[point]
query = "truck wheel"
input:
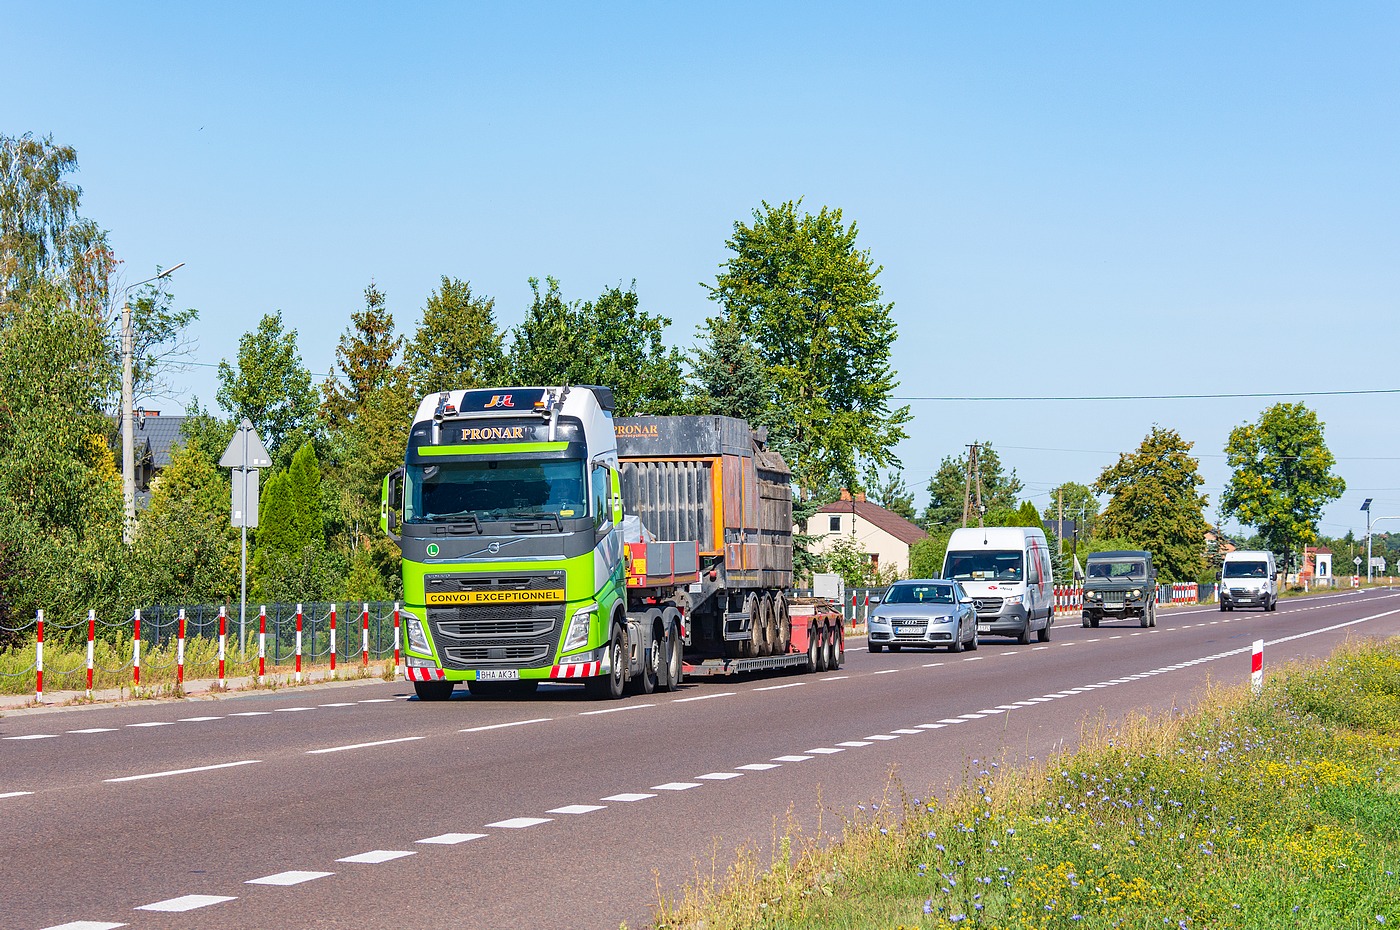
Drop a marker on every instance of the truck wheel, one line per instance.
(836, 651)
(814, 653)
(1152, 614)
(1084, 620)
(821, 650)
(784, 622)
(1024, 637)
(674, 651)
(1144, 619)
(433, 690)
(1043, 634)
(610, 687)
(652, 659)
(759, 610)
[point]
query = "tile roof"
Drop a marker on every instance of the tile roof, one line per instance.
(904, 530)
(162, 433)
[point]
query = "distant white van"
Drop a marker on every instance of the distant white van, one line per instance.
(1007, 571)
(1248, 578)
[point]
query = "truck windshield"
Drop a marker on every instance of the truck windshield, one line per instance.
(1246, 570)
(1117, 571)
(984, 566)
(919, 594)
(495, 490)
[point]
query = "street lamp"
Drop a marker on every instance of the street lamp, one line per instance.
(1367, 507)
(128, 428)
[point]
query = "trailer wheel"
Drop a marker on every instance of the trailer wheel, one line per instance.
(833, 649)
(433, 690)
(822, 658)
(652, 661)
(610, 687)
(758, 610)
(784, 622)
(813, 649)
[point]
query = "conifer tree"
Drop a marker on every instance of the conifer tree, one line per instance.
(457, 343)
(365, 360)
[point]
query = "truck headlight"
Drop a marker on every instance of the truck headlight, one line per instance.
(1014, 599)
(580, 624)
(417, 639)
(1135, 593)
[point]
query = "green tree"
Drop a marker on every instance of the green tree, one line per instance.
(892, 493)
(731, 379)
(807, 298)
(159, 339)
(1154, 502)
(457, 344)
(947, 487)
(365, 360)
(610, 341)
(1282, 476)
(291, 561)
(926, 555)
(1080, 505)
(271, 387)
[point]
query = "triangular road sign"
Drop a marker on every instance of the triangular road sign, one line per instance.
(245, 450)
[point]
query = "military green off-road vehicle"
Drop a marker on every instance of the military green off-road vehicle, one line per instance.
(1120, 585)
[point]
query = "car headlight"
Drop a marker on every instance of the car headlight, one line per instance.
(417, 639)
(580, 625)
(1092, 595)
(1135, 593)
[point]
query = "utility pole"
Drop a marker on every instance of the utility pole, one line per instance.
(1367, 507)
(974, 474)
(1060, 523)
(128, 414)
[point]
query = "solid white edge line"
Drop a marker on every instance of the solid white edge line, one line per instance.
(378, 742)
(200, 768)
(502, 726)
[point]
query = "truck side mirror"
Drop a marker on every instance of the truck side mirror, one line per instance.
(391, 504)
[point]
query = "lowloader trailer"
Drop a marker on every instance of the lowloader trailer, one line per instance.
(543, 540)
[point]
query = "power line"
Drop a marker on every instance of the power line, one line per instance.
(1100, 397)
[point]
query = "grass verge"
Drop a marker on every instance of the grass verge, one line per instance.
(1279, 811)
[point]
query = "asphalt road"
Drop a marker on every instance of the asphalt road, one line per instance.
(354, 806)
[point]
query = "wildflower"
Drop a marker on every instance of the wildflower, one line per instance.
(928, 906)
(956, 918)
(1097, 846)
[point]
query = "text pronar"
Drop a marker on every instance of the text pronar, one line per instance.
(494, 597)
(478, 433)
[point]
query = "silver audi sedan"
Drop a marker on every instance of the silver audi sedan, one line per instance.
(923, 612)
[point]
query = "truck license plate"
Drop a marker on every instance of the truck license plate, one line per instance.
(984, 628)
(498, 674)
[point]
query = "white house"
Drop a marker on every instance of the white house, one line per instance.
(882, 534)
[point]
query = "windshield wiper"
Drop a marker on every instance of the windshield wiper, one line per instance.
(543, 516)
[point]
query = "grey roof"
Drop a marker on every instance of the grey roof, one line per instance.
(162, 434)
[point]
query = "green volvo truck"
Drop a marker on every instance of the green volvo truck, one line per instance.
(545, 541)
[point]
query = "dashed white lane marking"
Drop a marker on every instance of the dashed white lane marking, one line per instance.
(932, 664)
(199, 768)
(1038, 648)
(1094, 640)
(628, 796)
(252, 713)
(614, 710)
(199, 719)
(1006, 707)
(719, 776)
(971, 716)
(378, 742)
(291, 710)
(1009, 653)
(988, 711)
(932, 726)
(853, 743)
(757, 766)
(1067, 644)
(187, 902)
(794, 684)
(908, 732)
(676, 786)
(1039, 700)
(882, 737)
(824, 751)
(973, 659)
(451, 839)
(86, 925)
(34, 736)
(886, 671)
(153, 723)
(1119, 636)
(96, 730)
(502, 726)
(1025, 704)
(14, 794)
(951, 720)
(704, 697)
(834, 678)
(376, 701)
(340, 704)
(287, 879)
(792, 758)
(579, 809)
(1139, 633)
(376, 856)
(520, 823)
(1214, 622)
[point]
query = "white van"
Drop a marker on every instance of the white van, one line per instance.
(1248, 579)
(1007, 571)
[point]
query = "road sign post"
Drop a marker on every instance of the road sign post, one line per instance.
(245, 455)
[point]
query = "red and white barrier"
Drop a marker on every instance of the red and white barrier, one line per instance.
(39, 658)
(396, 640)
(298, 665)
(364, 638)
(262, 643)
(223, 646)
(1256, 671)
(136, 650)
(333, 673)
(1068, 598)
(92, 636)
(180, 649)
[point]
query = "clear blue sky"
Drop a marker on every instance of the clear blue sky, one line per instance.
(1203, 196)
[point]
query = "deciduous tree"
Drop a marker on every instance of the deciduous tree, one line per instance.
(948, 485)
(271, 387)
(1154, 501)
(365, 360)
(807, 297)
(1282, 476)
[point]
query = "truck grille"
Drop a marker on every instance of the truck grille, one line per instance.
(1115, 598)
(496, 635)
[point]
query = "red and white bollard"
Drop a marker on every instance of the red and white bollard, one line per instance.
(333, 641)
(364, 637)
(223, 646)
(39, 658)
(396, 640)
(1256, 673)
(262, 643)
(298, 665)
(92, 635)
(180, 650)
(136, 650)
